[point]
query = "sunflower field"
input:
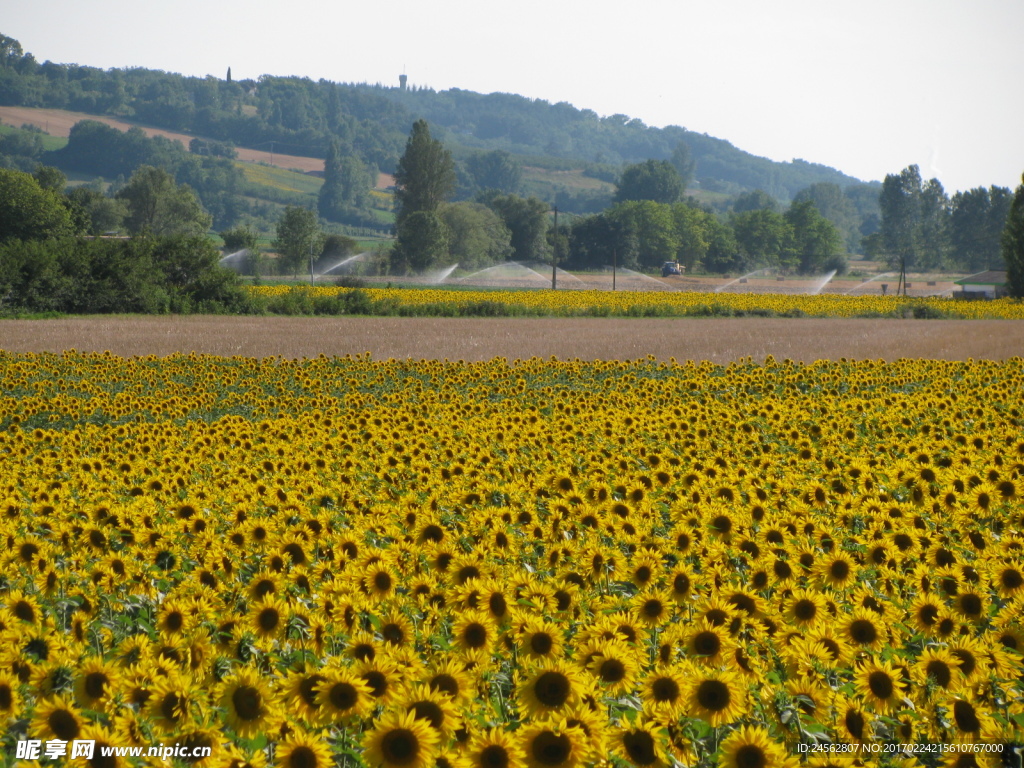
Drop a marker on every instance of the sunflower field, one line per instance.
(575, 303)
(512, 564)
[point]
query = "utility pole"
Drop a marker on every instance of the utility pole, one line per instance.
(554, 254)
(614, 259)
(311, 282)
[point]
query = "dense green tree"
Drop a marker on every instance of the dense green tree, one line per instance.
(654, 229)
(329, 199)
(900, 204)
(526, 219)
(477, 235)
(298, 239)
(28, 211)
(654, 180)
(935, 239)
(756, 200)
(683, 162)
(766, 239)
(816, 242)
(977, 219)
(157, 205)
(94, 212)
(834, 205)
(422, 241)
(51, 178)
(694, 229)
(425, 176)
(496, 170)
(915, 221)
(1013, 243)
(723, 254)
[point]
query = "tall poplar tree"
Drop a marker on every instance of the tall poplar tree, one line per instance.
(425, 176)
(1013, 243)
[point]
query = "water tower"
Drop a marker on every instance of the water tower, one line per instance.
(403, 80)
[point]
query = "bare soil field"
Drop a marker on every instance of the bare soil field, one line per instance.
(58, 122)
(473, 339)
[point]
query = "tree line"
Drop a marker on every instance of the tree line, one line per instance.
(301, 116)
(926, 230)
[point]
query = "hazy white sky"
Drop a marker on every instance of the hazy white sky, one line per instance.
(867, 87)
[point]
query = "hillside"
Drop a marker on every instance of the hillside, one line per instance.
(298, 116)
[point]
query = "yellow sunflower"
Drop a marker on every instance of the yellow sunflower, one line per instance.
(303, 750)
(879, 684)
(553, 744)
(400, 740)
(249, 703)
(717, 697)
(341, 694)
(550, 687)
(752, 746)
(495, 748)
(643, 744)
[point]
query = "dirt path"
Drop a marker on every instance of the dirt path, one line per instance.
(718, 340)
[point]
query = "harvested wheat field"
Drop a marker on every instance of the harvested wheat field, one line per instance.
(473, 339)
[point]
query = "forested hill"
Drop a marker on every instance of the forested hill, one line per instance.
(298, 116)
(534, 127)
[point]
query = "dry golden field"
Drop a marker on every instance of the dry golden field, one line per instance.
(473, 339)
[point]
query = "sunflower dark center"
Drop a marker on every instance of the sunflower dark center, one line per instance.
(653, 608)
(377, 681)
(382, 581)
(706, 643)
(445, 684)
(541, 643)
(23, 610)
(552, 689)
(940, 671)
(928, 614)
(665, 689)
(498, 604)
(170, 707)
(475, 635)
(965, 717)
(248, 702)
(95, 685)
(429, 711)
(970, 604)
(63, 724)
(805, 610)
(863, 631)
(393, 634)
(640, 747)
(721, 523)
(308, 689)
(751, 756)
(840, 570)
(1011, 579)
(343, 696)
(268, 619)
(713, 695)
(302, 757)
(881, 684)
(400, 747)
(6, 697)
(550, 748)
(967, 661)
(174, 621)
(612, 671)
(493, 756)
(855, 723)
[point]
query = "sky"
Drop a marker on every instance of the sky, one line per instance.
(866, 87)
